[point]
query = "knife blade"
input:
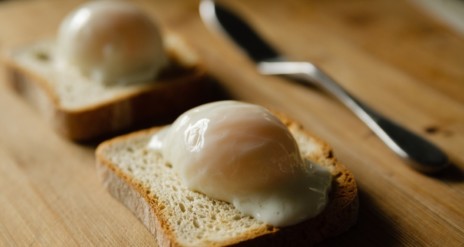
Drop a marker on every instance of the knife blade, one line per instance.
(421, 154)
(237, 30)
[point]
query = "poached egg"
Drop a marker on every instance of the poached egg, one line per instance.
(111, 42)
(243, 154)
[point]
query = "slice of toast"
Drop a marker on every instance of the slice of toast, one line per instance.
(81, 109)
(147, 185)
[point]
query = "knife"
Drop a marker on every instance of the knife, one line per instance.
(421, 154)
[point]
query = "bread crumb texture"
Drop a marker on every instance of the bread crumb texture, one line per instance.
(192, 218)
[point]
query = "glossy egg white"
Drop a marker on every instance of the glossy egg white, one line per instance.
(241, 153)
(111, 42)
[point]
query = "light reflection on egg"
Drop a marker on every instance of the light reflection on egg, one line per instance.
(111, 42)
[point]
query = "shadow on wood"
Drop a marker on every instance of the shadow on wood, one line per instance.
(372, 227)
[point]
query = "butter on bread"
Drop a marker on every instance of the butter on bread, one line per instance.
(149, 187)
(83, 110)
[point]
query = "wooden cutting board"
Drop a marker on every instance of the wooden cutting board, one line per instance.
(391, 55)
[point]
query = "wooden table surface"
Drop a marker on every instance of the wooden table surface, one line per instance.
(390, 54)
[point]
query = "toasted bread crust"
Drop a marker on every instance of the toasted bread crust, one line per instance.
(134, 198)
(339, 215)
(180, 86)
(156, 103)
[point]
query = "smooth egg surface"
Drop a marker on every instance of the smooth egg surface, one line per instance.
(111, 42)
(241, 153)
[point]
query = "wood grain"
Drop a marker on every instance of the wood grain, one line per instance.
(388, 53)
